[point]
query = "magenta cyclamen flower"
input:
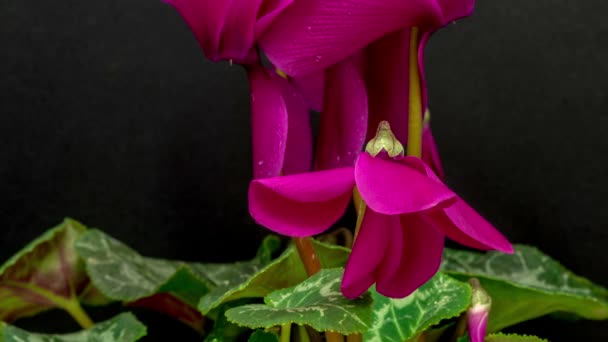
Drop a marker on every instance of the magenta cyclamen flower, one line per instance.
(229, 30)
(364, 50)
(409, 210)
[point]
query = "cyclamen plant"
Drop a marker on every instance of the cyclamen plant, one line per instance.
(359, 63)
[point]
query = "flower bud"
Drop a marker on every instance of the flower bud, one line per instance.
(477, 316)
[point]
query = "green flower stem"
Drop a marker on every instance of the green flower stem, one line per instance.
(285, 332)
(303, 334)
(414, 137)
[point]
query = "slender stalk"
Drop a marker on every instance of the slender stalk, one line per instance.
(311, 263)
(354, 338)
(79, 315)
(331, 336)
(414, 137)
(360, 209)
(461, 327)
(308, 255)
(303, 334)
(285, 332)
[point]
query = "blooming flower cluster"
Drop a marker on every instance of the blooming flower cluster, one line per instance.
(359, 63)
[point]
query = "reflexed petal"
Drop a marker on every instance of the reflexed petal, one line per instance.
(228, 30)
(344, 119)
(312, 88)
(301, 205)
(224, 29)
(314, 34)
(268, 12)
(464, 225)
(399, 187)
(298, 152)
(387, 79)
(456, 9)
(371, 245)
(423, 40)
(419, 261)
(268, 122)
(430, 154)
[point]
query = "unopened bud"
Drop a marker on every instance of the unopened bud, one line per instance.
(385, 140)
(477, 316)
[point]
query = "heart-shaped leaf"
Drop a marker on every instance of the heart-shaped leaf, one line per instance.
(122, 328)
(402, 319)
(172, 287)
(526, 285)
(46, 274)
(316, 302)
(285, 271)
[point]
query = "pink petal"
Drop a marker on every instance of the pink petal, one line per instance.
(430, 154)
(301, 205)
(456, 9)
(224, 29)
(423, 40)
(463, 224)
(387, 78)
(393, 188)
(314, 34)
(419, 261)
(298, 152)
(268, 13)
(268, 122)
(369, 250)
(312, 88)
(344, 120)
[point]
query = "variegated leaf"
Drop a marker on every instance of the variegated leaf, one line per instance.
(285, 271)
(122, 328)
(172, 287)
(526, 285)
(45, 274)
(316, 302)
(402, 319)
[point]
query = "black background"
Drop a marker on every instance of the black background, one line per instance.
(110, 114)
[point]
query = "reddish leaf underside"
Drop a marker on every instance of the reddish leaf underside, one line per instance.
(45, 274)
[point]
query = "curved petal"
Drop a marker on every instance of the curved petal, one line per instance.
(456, 9)
(464, 225)
(369, 250)
(224, 29)
(430, 153)
(268, 13)
(312, 88)
(387, 78)
(393, 188)
(423, 40)
(314, 34)
(298, 152)
(301, 205)
(344, 120)
(420, 258)
(268, 122)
